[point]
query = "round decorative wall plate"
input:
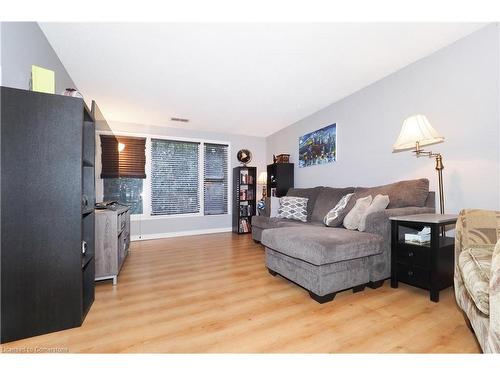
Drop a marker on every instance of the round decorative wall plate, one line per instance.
(244, 156)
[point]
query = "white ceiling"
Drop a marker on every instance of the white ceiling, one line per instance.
(244, 78)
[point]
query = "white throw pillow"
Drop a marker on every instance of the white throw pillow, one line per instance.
(352, 219)
(294, 208)
(379, 203)
(275, 204)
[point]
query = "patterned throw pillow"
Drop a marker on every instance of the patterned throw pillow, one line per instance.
(336, 215)
(294, 208)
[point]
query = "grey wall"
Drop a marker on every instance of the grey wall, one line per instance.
(24, 44)
(456, 88)
(0, 53)
(152, 227)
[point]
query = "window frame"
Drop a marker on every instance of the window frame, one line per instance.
(146, 193)
(200, 201)
(228, 156)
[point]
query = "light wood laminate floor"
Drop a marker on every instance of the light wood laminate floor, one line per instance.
(212, 293)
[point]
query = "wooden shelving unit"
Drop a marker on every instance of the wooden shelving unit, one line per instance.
(88, 215)
(279, 179)
(48, 195)
(244, 198)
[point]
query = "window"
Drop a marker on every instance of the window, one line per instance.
(123, 156)
(125, 190)
(215, 179)
(174, 177)
(123, 162)
(180, 176)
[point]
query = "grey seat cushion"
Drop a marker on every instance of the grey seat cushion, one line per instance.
(320, 245)
(327, 199)
(410, 193)
(264, 222)
(310, 193)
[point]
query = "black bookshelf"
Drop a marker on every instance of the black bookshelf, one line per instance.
(244, 198)
(279, 179)
(47, 216)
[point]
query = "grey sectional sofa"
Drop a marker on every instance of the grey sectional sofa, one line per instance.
(326, 260)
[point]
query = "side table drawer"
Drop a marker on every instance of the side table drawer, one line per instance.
(413, 275)
(413, 255)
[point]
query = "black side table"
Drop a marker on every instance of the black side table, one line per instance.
(428, 265)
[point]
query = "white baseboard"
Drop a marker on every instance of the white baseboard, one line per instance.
(156, 236)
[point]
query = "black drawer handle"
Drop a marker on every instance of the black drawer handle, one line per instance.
(85, 201)
(410, 273)
(410, 254)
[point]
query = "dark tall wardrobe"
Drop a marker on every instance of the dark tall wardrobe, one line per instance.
(47, 213)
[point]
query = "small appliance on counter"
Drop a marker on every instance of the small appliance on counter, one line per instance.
(109, 205)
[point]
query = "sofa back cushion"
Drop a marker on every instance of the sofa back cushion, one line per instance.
(327, 199)
(410, 193)
(310, 193)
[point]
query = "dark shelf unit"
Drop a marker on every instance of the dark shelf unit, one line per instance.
(428, 265)
(244, 198)
(279, 178)
(47, 201)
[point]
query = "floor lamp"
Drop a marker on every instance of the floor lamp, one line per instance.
(262, 180)
(415, 133)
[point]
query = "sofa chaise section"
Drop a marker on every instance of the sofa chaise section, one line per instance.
(327, 260)
(321, 259)
(322, 245)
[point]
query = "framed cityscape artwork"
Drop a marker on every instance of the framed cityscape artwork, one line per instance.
(318, 147)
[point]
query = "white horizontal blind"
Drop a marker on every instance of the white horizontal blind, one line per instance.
(174, 177)
(215, 178)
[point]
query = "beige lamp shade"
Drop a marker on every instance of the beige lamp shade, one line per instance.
(416, 129)
(262, 179)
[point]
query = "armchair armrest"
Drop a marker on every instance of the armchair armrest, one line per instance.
(495, 293)
(474, 228)
(379, 223)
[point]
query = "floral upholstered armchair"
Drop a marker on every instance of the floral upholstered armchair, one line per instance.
(477, 274)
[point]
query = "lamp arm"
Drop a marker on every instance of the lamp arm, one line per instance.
(439, 168)
(419, 152)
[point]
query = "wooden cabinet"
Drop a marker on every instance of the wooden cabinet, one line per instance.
(112, 239)
(428, 265)
(47, 204)
(279, 179)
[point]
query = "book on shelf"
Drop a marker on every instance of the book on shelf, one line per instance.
(244, 226)
(246, 210)
(246, 194)
(245, 178)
